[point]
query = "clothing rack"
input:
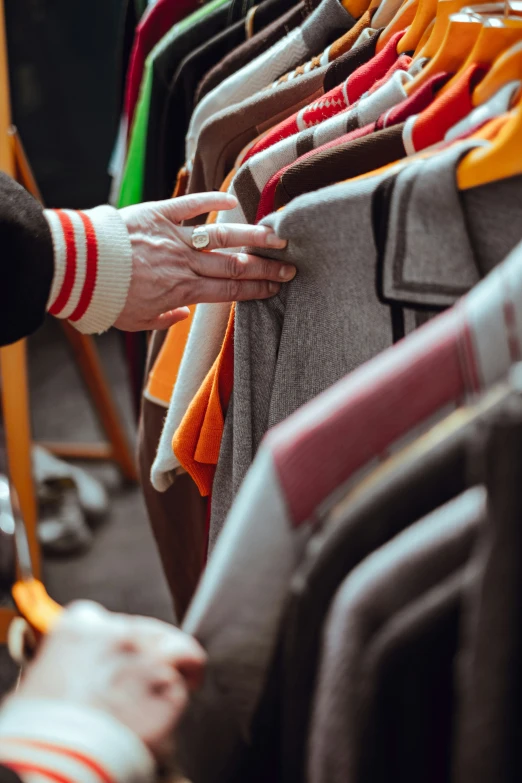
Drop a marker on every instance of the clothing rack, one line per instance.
(14, 389)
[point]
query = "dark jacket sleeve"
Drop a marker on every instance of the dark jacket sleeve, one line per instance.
(8, 775)
(26, 263)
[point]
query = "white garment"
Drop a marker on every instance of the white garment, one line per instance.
(293, 50)
(265, 164)
(248, 80)
(364, 36)
(497, 105)
(203, 346)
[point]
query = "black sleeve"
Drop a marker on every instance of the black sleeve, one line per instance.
(26, 263)
(8, 776)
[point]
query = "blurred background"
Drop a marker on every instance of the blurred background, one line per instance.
(65, 60)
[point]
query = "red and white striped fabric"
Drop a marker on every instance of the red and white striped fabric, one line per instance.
(347, 93)
(52, 742)
(93, 266)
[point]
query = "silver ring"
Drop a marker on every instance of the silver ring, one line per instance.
(200, 238)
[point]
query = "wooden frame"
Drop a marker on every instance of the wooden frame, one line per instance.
(13, 368)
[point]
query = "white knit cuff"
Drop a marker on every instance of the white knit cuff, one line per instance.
(92, 266)
(46, 739)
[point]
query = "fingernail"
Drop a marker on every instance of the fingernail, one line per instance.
(272, 240)
(273, 288)
(287, 272)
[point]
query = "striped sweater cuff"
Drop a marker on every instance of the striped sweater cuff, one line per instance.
(92, 267)
(52, 742)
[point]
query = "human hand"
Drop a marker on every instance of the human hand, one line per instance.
(168, 273)
(136, 669)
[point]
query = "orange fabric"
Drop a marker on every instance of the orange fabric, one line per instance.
(345, 43)
(197, 440)
(164, 373)
(182, 180)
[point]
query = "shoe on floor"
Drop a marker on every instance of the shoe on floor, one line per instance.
(92, 495)
(62, 528)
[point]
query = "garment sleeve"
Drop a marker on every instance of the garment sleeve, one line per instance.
(8, 775)
(51, 742)
(26, 262)
(74, 264)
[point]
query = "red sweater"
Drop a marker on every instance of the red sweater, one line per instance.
(412, 105)
(337, 99)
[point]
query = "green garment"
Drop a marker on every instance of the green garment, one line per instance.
(132, 184)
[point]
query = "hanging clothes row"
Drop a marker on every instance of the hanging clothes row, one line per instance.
(333, 475)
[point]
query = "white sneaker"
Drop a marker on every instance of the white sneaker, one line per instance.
(62, 528)
(92, 495)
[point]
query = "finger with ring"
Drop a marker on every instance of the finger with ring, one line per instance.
(200, 238)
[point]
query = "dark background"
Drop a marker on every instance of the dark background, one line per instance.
(65, 79)
(65, 67)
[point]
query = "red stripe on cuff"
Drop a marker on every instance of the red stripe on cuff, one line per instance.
(70, 264)
(91, 271)
(81, 758)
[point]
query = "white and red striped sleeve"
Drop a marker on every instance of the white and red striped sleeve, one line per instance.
(93, 266)
(52, 742)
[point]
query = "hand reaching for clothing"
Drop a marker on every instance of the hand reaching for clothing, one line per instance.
(134, 669)
(169, 273)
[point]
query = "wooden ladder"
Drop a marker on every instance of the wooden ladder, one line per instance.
(13, 367)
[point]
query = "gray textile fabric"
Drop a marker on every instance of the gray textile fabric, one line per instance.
(411, 564)
(237, 618)
(223, 136)
(409, 690)
(329, 20)
(220, 714)
(331, 319)
(429, 473)
(488, 736)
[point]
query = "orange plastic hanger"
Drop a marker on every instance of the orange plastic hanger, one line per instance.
(402, 19)
(498, 160)
(496, 35)
(426, 11)
(506, 68)
(425, 37)
(445, 9)
(356, 7)
(461, 33)
(505, 9)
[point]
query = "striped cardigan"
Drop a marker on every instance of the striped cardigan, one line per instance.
(76, 265)
(54, 742)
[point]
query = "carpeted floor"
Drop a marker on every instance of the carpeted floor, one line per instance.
(122, 570)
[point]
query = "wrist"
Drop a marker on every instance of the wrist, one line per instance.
(92, 267)
(62, 742)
